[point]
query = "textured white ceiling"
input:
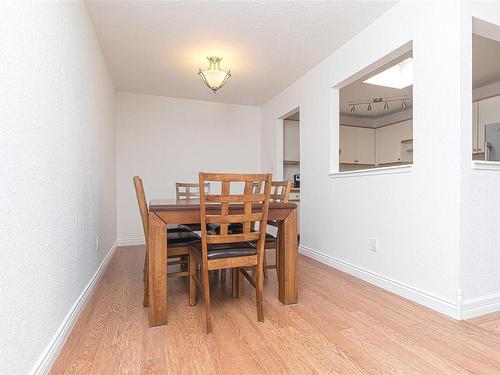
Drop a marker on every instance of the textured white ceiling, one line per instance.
(157, 47)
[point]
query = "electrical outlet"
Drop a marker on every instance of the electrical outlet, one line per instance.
(97, 244)
(374, 244)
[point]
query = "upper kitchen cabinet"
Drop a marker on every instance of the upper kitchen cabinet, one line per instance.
(488, 112)
(356, 145)
(474, 127)
(291, 140)
(394, 143)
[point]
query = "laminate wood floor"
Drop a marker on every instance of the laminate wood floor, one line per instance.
(341, 325)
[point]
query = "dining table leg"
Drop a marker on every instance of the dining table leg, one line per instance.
(157, 255)
(287, 260)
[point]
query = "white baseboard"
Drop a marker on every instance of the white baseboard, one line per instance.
(481, 305)
(441, 305)
(131, 241)
(48, 357)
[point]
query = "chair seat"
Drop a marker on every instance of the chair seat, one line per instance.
(225, 250)
(184, 237)
(178, 228)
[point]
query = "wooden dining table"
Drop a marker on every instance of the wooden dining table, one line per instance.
(187, 211)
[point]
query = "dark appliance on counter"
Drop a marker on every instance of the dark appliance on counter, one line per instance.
(296, 180)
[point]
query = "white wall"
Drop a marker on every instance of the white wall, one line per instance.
(165, 140)
(415, 215)
(480, 234)
(58, 172)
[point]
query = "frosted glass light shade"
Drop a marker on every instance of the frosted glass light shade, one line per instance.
(214, 77)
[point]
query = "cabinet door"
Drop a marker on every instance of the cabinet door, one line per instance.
(488, 112)
(347, 144)
(474, 127)
(406, 130)
(291, 140)
(365, 146)
(388, 144)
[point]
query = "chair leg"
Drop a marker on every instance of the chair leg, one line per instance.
(192, 283)
(145, 279)
(235, 274)
(206, 298)
(259, 285)
(223, 276)
(266, 275)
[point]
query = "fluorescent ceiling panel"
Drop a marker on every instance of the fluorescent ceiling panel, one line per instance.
(397, 76)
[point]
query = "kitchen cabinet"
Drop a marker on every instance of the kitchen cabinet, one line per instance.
(347, 144)
(356, 145)
(291, 140)
(389, 142)
(474, 126)
(488, 112)
(365, 146)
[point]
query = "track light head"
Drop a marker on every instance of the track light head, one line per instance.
(353, 108)
(403, 104)
(386, 106)
(369, 109)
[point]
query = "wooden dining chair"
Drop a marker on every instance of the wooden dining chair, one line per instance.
(225, 250)
(176, 241)
(190, 190)
(280, 192)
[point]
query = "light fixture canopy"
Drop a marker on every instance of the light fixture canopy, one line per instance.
(214, 77)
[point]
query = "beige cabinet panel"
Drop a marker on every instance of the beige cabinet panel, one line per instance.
(406, 130)
(488, 112)
(365, 146)
(291, 140)
(347, 144)
(474, 127)
(388, 144)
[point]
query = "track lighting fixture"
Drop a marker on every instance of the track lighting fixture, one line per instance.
(384, 103)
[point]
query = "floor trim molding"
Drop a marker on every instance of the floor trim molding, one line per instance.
(481, 305)
(48, 357)
(131, 241)
(421, 297)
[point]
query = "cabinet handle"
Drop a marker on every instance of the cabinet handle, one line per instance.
(474, 150)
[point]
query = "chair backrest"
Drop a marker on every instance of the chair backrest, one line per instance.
(187, 190)
(143, 205)
(254, 204)
(280, 191)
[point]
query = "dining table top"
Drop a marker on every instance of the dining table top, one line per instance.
(156, 205)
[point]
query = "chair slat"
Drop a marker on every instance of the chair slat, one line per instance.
(228, 219)
(233, 238)
(240, 198)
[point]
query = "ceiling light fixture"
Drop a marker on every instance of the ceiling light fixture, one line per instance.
(380, 103)
(214, 77)
(397, 76)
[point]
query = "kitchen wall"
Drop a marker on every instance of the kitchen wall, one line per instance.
(415, 213)
(165, 140)
(58, 175)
